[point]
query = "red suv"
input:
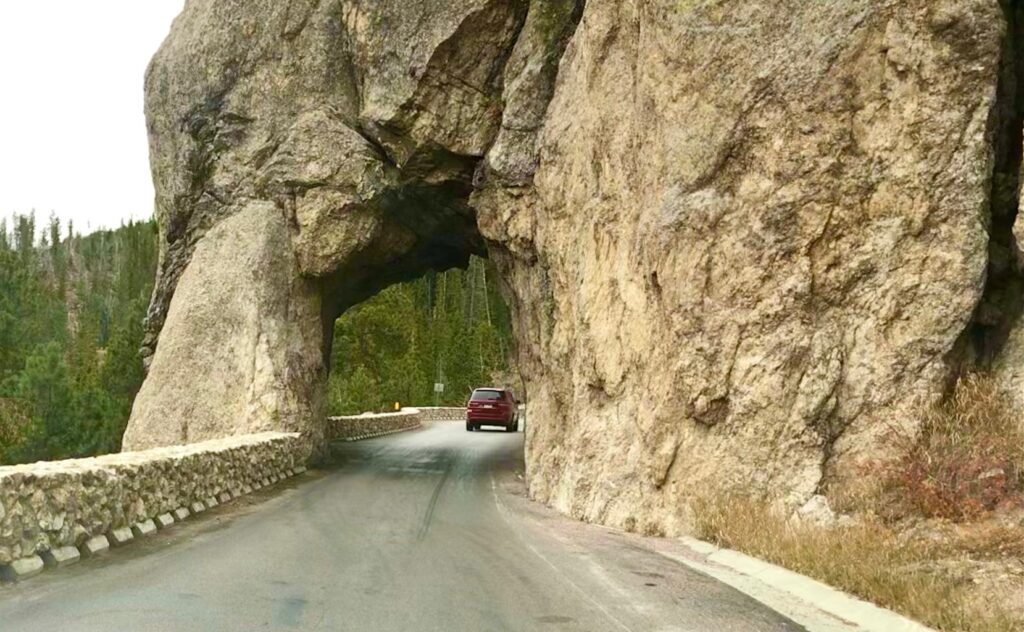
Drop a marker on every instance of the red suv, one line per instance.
(492, 407)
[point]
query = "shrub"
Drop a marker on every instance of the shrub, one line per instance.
(966, 460)
(15, 422)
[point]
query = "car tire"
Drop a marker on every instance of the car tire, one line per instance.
(512, 427)
(469, 427)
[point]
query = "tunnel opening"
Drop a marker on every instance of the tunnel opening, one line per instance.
(416, 315)
(425, 229)
(427, 341)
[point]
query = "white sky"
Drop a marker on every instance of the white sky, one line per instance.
(72, 130)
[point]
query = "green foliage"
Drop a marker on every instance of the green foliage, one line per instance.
(450, 327)
(71, 312)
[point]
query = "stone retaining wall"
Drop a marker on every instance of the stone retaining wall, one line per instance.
(50, 506)
(350, 428)
(443, 413)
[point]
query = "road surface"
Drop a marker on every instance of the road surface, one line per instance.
(425, 530)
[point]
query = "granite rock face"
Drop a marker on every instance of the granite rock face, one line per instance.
(740, 239)
(243, 297)
(306, 154)
(742, 259)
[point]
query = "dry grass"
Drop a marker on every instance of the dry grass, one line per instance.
(929, 508)
(986, 541)
(868, 559)
(967, 460)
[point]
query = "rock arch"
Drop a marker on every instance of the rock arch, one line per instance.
(306, 155)
(738, 238)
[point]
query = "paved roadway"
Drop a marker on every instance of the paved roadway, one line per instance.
(425, 530)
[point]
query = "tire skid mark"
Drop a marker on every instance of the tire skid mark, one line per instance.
(428, 517)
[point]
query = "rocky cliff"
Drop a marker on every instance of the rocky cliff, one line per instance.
(740, 239)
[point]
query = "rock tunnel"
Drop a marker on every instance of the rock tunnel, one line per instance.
(328, 151)
(736, 244)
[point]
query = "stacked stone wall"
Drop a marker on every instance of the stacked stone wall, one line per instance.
(444, 413)
(355, 427)
(49, 506)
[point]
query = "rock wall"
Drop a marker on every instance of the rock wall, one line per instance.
(49, 505)
(739, 239)
(757, 237)
(350, 428)
(305, 155)
(258, 345)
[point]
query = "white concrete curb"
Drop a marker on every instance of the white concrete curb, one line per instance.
(120, 537)
(164, 520)
(144, 528)
(94, 546)
(22, 569)
(64, 556)
(814, 605)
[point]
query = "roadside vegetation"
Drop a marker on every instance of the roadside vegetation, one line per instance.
(936, 533)
(966, 462)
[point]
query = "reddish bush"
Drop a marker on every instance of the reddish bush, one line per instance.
(967, 460)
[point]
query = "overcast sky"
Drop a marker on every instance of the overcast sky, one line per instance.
(72, 131)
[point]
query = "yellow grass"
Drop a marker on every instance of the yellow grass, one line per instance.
(963, 463)
(867, 559)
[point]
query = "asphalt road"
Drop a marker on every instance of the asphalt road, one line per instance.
(425, 530)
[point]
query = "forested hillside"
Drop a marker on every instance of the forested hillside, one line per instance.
(71, 313)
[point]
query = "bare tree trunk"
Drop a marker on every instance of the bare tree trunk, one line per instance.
(472, 293)
(487, 296)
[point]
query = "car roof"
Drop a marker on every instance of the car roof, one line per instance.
(489, 388)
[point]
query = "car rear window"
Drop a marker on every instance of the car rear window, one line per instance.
(485, 396)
